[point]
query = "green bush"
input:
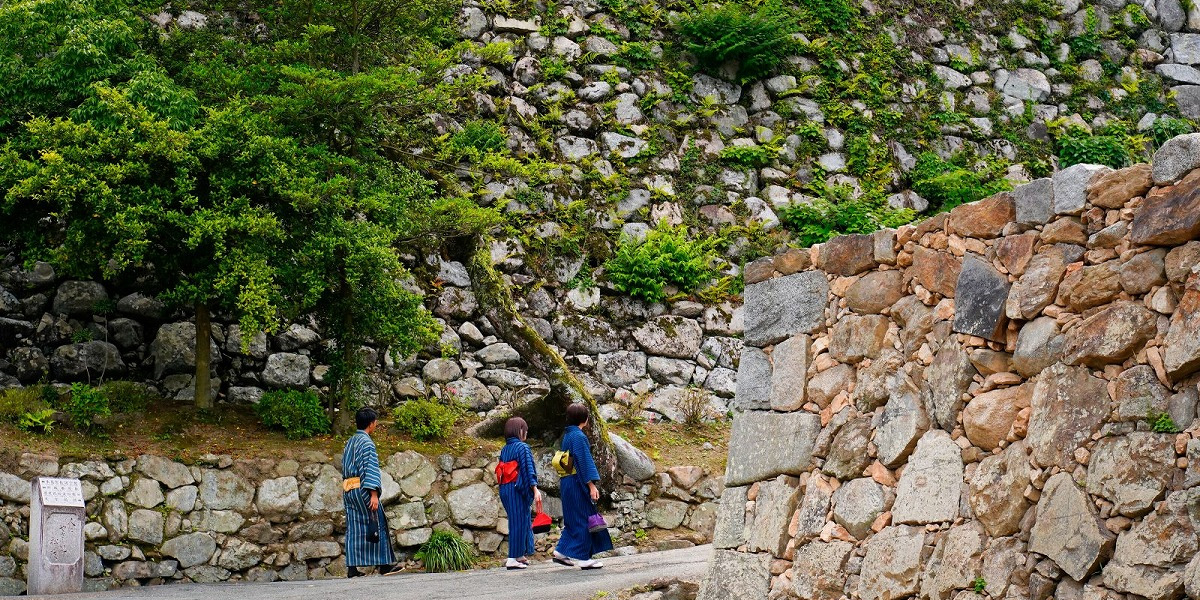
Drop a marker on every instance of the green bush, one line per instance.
(446, 551)
(298, 414)
(1165, 128)
(667, 255)
(836, 213)
(753, 157)
(16, 402)
(426, 418)
(1078, 147)
(38, 421)
(85, 405)
(759, 41)
(946, 184)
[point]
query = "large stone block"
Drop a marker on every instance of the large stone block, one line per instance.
(1039, 345)
(935, 271)
(779, 308)
(930, 487)
(984, 219)
(818, 571)
(948, 378)
(1034, 202)
(1069, 405)
(891, 568)
(221, 490)
(167, 472)
(1132, 471)
(848, 454)
(988, 417)
(847, 255)
(1176, 158)
(1150, 557)
(754, 380)
(763, 445)
(789, 370)
(1181, 347)
(1111, 335)
(285, 370)
(1090, 286)
(956, 560)
(86, 360)
(1114, 189)
(191, 549)
(1071, 185)
(858, 503)
(903, 422)
(997, 490)
(670, 335)
(810, 519)
(875, 291)
(856, 337)
(730, 531)
(736, 576)
(1038, 286)
(279, 499)
(772, 513)
(1171, 217)
(1067, 529)
(980, 297)
(475, 505)
(79, 298)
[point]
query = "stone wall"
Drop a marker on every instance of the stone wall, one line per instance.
(153, 520)
(1001, 400)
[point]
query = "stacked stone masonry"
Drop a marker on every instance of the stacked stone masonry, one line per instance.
(969, 404)
(152, 520)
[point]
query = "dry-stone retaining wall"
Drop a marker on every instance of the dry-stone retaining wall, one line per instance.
(966, 405)
(153, 520)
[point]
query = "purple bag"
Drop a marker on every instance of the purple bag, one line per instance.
(596, 523)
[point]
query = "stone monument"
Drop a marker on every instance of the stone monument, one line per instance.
(56, 520)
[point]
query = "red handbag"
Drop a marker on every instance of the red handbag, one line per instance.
(541, 520)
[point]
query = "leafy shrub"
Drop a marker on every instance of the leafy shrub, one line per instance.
(1078, 147)
(636, 55)
(946, 184)
(38, 421)
(85, 405)
(667, 255)
(16, 402)
(426, 418)
(758, 41)
(836, 16)
(753, 157)
(298, 414)
(497, 53)
(979, 585)
(127, 396)
(1165, 128)
(446, 551)
(837, 213)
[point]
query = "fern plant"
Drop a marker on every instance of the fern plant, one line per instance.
(666, 256)
(759, 41)
(446, 551)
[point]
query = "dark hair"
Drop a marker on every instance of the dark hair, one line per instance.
(365, 416)
(576, 414)
(516, 427)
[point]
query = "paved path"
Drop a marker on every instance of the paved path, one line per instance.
(542, 581)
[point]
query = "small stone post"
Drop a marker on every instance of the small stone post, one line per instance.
(56, 520)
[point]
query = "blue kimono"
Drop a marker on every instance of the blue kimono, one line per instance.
(576, 541)
(360, 460)
(517, 497)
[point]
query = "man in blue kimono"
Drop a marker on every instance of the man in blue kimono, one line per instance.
(368, 541)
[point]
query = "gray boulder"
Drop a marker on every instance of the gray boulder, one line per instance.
(632, 461)
(286, 370)
(474, 506)
(79, 298)
(87, 360)
(191, 549)
(174, 349)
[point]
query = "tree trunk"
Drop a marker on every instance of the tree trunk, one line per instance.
(344, 423)
(496, 301)
(203, 357)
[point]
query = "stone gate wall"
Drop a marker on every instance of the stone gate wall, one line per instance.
(153, 520)
(999, 400)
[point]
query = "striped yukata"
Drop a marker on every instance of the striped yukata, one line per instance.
(576, 541)
(360, 460)
(517, 497)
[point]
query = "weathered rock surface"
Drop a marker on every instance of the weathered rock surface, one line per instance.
(988, 418)
(1131, 471)
(774, 507)
(1067, 530)
(736, 576)
(751, 460)
(475, 505)
(1109, 336)
(903, 422)
(782, 307)
(857, 337)
(891, 568)
(1171, 217)
(671, 336)
(997, 490)
(1069, 404)
(982, 294)
(875, 291)
(956, 560)
(1150, 557)
(948, 378)
(929, 488)
(858, 503)
(789, 369)
(1038, 286)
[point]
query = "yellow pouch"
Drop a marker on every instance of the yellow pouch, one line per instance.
(563, 463)
(352, 483)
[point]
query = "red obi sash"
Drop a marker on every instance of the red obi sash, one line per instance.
(506, 472)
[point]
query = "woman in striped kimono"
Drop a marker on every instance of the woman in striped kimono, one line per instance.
(517, 477)
(368, 541)
(579, 494)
